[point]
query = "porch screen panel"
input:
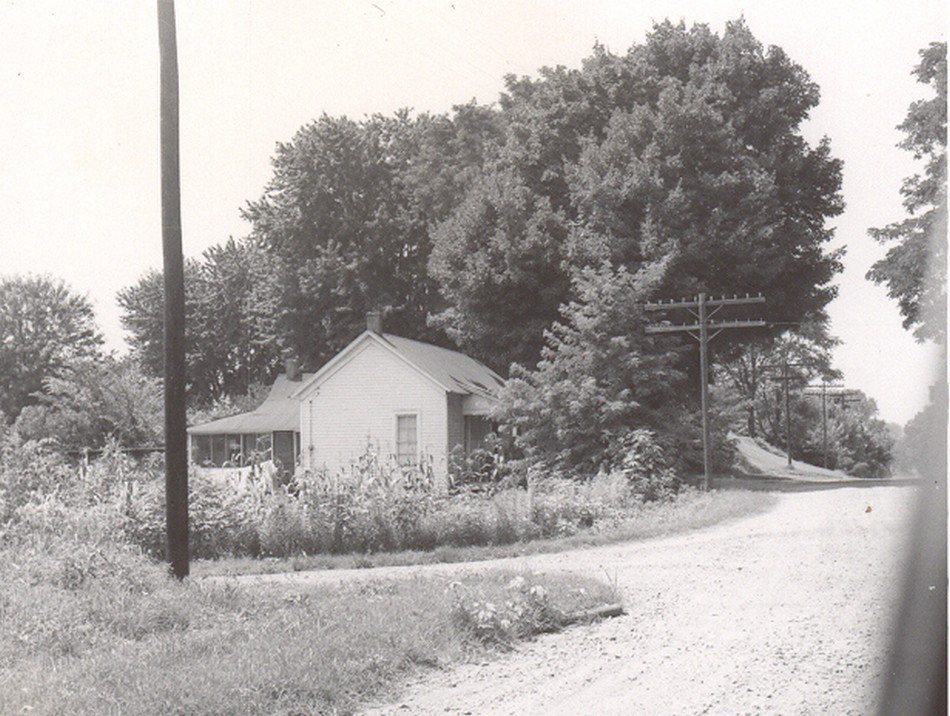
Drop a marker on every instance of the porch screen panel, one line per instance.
(233, 454)
(201, 450)
(219, 449)
(284, 449)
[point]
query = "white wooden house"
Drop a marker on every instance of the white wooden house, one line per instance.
(409, 400)
(403, 399)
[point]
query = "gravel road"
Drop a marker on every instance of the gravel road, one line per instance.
(787, 612)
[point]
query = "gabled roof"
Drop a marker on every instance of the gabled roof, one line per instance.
(457, 371)
(452, 371)
(279, 411)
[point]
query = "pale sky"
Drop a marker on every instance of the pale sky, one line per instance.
(79, 152)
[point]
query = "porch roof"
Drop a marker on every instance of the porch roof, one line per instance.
(278, 412)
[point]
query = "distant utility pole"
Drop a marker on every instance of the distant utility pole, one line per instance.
(176, 446)
(786, 377)
(700, 330)
(822, 390)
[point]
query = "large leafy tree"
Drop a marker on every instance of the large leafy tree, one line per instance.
(43, 327)
(230, 313)
(500, 263)
(915, 266)
(347, 218)
(143, 315)
(710, 170)
(686, 149)
(502, 257)
(344, 221)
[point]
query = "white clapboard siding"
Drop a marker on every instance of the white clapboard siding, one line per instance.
(358, 403)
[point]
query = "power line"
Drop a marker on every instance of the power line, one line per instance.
(700, 330)
(787, 378)
(823, 389)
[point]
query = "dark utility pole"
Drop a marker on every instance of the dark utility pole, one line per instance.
(699, 308)
(176, 447)
(822, 390)
(824, 423)
(787, 377)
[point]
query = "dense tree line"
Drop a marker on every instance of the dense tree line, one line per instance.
(472, 226)
(528, 233)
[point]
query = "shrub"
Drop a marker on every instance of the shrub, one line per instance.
(484, 469)
(526, 610)
(221, 520)
(642, 462)
(30, 471)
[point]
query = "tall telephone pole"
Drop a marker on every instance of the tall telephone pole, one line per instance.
(822, 390)
(786, 378)
(700, 330)
(176, 446)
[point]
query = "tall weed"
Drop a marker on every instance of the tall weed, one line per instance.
(374, 506)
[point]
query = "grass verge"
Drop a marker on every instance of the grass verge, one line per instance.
(228, 650)
(689, 511)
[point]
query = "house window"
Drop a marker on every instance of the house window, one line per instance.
(407, 439)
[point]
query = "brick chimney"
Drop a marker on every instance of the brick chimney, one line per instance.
(291, 368)
(374, 322)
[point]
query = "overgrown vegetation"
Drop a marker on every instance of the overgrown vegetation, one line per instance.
(76, 631)
(82, 608)
(691, 510)
(369, 511)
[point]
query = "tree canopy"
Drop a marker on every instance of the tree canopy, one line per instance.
(915, 266)
(345, 232)
(230, 314)
(686, 149)
(44, 326)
